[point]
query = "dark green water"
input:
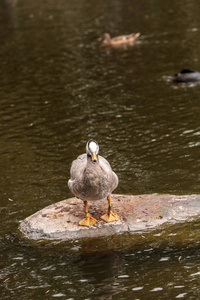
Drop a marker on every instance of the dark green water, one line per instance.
(58, 89)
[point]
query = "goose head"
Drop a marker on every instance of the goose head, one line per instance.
(92, 150)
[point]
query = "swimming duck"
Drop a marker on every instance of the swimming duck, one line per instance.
(186, 75)
(119, 40)
(92, 179)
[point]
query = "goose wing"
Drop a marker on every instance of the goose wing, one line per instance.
(112, 178)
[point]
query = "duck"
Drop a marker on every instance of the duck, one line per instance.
(186, 75)
(92, 179)
(118, 40)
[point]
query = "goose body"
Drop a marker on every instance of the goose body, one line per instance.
(186, 75)
(92, 179)
(119, 40)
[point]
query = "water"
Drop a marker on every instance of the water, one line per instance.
(59, 88)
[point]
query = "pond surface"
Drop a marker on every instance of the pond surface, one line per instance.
(59, 88)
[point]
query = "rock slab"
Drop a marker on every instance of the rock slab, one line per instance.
(60, 221)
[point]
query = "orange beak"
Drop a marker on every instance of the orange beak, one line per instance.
(94, 157)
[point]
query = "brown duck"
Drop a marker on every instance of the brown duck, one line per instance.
(118, 40)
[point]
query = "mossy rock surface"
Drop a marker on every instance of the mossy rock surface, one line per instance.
(60, 221)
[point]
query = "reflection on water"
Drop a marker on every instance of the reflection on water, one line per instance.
(59, 88)
(161, 264)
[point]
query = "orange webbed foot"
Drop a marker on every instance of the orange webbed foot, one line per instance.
(88, 221)
(109, 217)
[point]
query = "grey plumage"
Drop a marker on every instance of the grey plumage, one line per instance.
(91, 180)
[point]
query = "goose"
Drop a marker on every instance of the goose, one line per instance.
(92, 179)
(118, 40)
(186, 75)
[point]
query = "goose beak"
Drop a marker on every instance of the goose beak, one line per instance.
(94, 157)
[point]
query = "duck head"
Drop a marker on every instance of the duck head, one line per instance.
(92, 150)
(105, 37)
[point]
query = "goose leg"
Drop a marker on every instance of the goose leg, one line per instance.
(88, 221)
(109, 217)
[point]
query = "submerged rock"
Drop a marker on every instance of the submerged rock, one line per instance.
(59, 221)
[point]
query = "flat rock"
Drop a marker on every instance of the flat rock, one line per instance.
(60, 221)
